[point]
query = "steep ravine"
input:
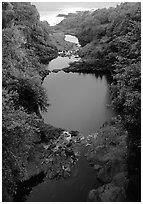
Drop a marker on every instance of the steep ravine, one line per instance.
(76, 163)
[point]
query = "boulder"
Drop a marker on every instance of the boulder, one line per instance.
(91, 158)
(120, 179)
(109, 170)
(74, 133)
(66, 168)
(51, 175)
(56, 70)
(111, 193)
(69, 152)
(107, 193)
(58, 173)
(69, 144)
(93, 196)
(66, 174)
(97, 167)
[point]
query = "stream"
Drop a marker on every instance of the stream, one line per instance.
(77, 102)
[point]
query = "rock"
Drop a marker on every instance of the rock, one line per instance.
(69, 144)
(91, 163)
(46, 146)
(68, 139)
(50, 159)
(111, 193)
(108, 171)
(51, 175)
(67, 168)
(91, 157)
(66, 134)
(97, 167)
(69, 152)
(56, 70)
(74, 133)
(63, 155)
(58, 173)
(107, 193)
(45, 73)
(93, 196)
(87, 144)
(77, 154)
(78, 140)
(105, 174)
(52, 145)
(66, 174)
(120, 179)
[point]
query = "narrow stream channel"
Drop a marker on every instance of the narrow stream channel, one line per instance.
(77, 102)
(73, 189)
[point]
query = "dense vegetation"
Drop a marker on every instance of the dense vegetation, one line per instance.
(26, 46)
(111, 40)
(106, 34)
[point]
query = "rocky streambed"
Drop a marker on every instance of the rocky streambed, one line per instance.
(95, 163)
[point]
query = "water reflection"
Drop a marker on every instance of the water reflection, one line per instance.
(78, 101)
(61, 62)
(72, 39)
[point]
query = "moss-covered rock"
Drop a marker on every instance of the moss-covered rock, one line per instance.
(107, 150)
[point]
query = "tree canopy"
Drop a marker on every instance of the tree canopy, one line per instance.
(26, 47)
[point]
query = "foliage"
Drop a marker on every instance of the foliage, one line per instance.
(25, 13)
(126, 94)
(111, 39)
(31, 95)
(26, 44)
(105, 34)
(20, 130)
(7, 15)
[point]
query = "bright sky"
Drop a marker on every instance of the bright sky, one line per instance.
(49, 10)
(51, 16)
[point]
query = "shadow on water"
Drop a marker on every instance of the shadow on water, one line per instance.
(24, 188)
(98, 74)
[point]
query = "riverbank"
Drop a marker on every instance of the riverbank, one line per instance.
(58, 39)
(108, 155)
(84, 67)
(52, 157)
(55, 157)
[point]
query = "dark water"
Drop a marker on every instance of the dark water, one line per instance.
(78, 101)
(73, 189)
